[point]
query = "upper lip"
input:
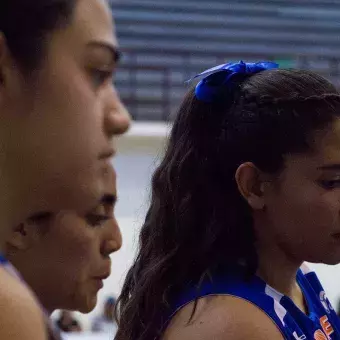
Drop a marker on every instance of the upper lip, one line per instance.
(103, 276)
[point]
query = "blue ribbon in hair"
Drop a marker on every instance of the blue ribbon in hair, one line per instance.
(219, 79)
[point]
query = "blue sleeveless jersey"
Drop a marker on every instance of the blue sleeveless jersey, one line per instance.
(321, 323)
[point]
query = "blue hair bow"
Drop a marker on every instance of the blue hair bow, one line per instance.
(223, 77)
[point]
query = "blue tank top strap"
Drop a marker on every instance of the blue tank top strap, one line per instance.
(321, 322)
(234, 284)
(3, 260)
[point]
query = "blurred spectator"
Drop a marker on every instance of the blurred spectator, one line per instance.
(106, 322)
(67, 323)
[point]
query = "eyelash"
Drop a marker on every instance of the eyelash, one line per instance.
(96, 220)
(331, 184)
(100, 77)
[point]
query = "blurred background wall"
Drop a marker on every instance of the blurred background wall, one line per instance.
(166, 42)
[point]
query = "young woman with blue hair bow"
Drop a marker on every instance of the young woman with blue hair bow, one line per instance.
(248, 190)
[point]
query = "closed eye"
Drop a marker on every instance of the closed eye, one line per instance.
(330, 184)
(99, 77)
(96, 220)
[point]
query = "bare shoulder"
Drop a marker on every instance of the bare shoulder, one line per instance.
(222, 318)
(20, 316)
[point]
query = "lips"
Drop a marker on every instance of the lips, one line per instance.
(100, 278)
(103, 277)
(99, 283)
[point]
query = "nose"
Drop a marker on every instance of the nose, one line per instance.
(117, 118)
(113, 238)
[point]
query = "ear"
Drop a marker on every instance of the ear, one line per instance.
(23, 236)
(251, 187)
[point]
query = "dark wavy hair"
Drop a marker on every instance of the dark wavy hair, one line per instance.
(27, 24)
(197, 222)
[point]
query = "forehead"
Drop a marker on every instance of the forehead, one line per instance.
(326, 151)
(92, 21)
(328, 143)
(93, 18)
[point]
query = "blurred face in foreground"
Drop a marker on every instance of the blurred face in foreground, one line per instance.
(57, 123)
(65, 257)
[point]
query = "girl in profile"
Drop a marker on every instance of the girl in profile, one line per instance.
(247, 191)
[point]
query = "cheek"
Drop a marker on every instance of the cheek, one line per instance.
(74, 267)
(304, 221)
(313, 210)
(84, 288)
(77, 113)
(306, 209)
(67, 138)
(82, 254)
(75, 249)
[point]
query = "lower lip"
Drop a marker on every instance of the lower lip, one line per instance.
(99, 283)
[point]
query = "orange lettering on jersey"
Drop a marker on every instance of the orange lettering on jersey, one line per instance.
(326, 326)
(319, 335)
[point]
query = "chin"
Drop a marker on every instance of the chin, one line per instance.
(88, 304)
(330, 259)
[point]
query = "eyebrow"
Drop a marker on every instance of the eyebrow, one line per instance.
(40, 217)
(113, 50)
(335, 166)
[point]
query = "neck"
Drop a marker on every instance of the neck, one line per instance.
(15, 207)
(277, 270)
(30, 274)
(275, 265)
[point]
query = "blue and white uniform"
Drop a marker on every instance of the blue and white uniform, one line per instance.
(321, 323)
